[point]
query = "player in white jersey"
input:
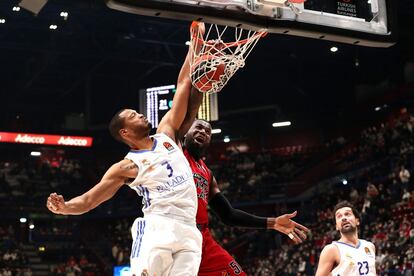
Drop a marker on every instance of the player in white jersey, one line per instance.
(349, 255)
(166, 240)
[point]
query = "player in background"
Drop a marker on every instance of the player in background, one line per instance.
(349, 255)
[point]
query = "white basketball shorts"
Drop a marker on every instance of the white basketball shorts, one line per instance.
(163, 245)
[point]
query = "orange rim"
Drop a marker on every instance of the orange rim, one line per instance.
(201, 40)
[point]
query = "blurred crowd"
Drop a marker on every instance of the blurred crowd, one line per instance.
(75, 266)
(246, 176)
(28, 181)
(12, 260)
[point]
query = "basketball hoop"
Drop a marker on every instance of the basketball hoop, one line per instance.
(213, 62)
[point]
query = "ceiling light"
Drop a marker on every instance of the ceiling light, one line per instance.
(23, 220)
(2, 21)
(334, 49)
(31, 226)
(64, 15)
(187, 43)
(226, 139)
(53, 27)
(281, 124)
(215, 131)
(378, 108)
(35, 153)
(344, 181)
(16, 9)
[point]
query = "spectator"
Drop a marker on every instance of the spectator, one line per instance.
(404, 177)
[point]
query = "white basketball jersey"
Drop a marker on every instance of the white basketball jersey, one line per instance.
(358, 260)
(165, 180)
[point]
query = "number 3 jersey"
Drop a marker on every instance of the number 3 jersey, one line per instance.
(358, 260)
(164, 180)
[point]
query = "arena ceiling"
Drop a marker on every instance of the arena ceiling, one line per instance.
(97, 59)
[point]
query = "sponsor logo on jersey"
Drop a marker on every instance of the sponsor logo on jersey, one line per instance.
(174, 182)
(147, 164)
(367, 251)
(348, 256)
(168, 146)
(202, 186)
(151, 168)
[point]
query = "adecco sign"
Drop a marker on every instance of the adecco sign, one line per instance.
(45, 139)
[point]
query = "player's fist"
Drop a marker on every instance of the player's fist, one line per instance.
(55, 203)
(198, 26)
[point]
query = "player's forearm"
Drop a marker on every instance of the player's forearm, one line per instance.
(194, 102)
(243, 219)
(184, 75)
(174, 119)
(235, 217)
(184, 84)
(77, 206)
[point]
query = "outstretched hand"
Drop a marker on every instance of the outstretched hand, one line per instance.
(55, 203)
(295, 231)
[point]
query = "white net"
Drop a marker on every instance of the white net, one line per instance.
(213, 61)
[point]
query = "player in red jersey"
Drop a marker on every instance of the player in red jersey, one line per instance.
(216, 260)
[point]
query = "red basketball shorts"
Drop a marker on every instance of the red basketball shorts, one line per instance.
(215, 261)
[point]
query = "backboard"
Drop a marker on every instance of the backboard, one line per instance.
(362, 22)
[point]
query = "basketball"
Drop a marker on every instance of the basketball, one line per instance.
(208, 72)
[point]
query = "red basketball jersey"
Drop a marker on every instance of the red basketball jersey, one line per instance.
(202, 178)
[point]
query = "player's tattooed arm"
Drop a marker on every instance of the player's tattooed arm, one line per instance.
(130, 166)
(110, 183)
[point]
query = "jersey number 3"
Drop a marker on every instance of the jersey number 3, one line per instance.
(363, 268)
(169, 168)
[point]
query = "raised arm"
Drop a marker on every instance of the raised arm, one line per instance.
(171, 122)
(184, 106)
(328, 259)
(194, 102)
(110, 183)
(234, 217)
